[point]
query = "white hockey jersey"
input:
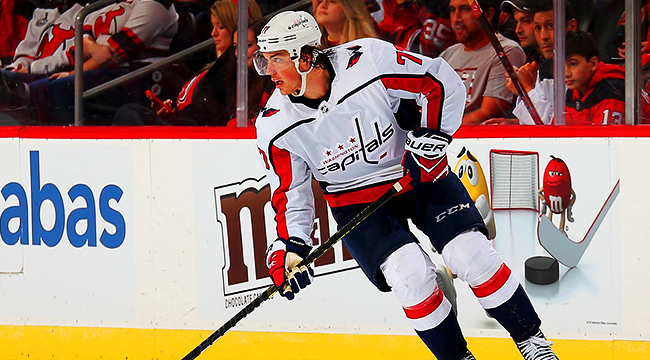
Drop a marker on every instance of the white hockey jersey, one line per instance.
(352, 143)
(137, 29)
(49, 42)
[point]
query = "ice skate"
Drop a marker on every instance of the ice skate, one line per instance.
(537, 347)
(468, 356)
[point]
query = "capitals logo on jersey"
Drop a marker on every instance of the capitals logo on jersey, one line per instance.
(360, 147)
(355, 55)
(267, 111)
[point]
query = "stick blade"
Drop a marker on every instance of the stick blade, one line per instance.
(558, 244)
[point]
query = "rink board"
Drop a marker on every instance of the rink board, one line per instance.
(135, 243)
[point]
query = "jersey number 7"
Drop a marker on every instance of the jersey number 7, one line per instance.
(401, 56)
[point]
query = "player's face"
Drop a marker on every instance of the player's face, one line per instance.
(464, 21)
(329, 14)
(283, 71)
(222, 37)
(578, 72)
(525, 29)
(252, 46)
(544, 23)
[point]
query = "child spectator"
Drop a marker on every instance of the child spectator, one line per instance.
(595, 90)
(343, 20)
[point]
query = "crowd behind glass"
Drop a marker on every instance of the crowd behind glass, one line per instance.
(37, 50)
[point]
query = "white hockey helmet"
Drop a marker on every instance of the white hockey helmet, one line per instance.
(290, 31)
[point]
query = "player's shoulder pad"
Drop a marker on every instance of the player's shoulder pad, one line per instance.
(277, 115)
(362, 54)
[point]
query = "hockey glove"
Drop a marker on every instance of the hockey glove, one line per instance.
(425, 158)
(282, 258)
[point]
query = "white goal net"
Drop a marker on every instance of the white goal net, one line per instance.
(514, 179)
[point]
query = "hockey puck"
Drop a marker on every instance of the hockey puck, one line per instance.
(542, 270)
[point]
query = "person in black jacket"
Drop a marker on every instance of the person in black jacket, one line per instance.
(209, 98)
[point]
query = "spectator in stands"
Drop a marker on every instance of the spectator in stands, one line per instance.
(595, 90)
(46, 48)
(477, 63)
(259, 87)
(537, 78)
(208, 99)
(117, 36)
(418, 25)
(48, 44)
(401, 24)
(343, 20)
(437, 33)
(525, 29)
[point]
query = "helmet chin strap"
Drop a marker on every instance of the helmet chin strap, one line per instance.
(303, 78)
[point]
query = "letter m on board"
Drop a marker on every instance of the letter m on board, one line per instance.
(247, 225)
(241, 216)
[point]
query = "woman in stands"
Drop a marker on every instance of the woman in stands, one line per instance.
(343, 20)
(209, 98)
(259, 87)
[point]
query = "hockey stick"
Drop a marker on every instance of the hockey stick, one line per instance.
(394, 190)
(504, 61)
(565, 250)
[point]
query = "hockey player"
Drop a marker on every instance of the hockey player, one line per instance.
(346, 117)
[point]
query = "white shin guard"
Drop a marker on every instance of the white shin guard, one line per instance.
(471, 256)
(411, 274)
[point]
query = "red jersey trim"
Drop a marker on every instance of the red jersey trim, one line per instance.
(426, 85)
(357, 197)
(281, 160)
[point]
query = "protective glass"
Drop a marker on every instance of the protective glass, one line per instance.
(277, 62)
